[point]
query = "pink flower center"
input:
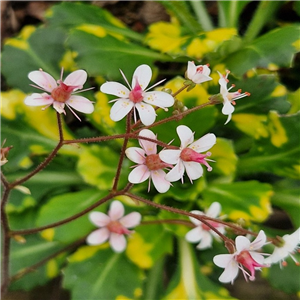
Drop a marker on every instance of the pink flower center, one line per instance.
(117, 227)
(214, 224)
(136, 94)
(63, 92)
(153, 162)
(245, 259)
(188, 154)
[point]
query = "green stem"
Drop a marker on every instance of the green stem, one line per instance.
(202, 15)
(263, 14)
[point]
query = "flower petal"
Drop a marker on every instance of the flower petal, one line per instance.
(222, 260)
(176, 173)
(161, 184)
(191, 70)
(131, 220)
(38, 99)
(98, 236)
(116, 210)
(194, 220)
(160, 99)
(59, 107)
(206, 241)
(43, 79)
(193, 169)
(146, 112)
(143, 74)
(241, 243)
(228, 108)
(139, 174)
(170, 156)
(259, 241)
(117, 242)
(81, 104)
(230, 272)
(115, 88)
(136, 155)
(194, 235)
(204, 143)
(214, 210)
(200, 78)
(120, 109)
(76, 78)
(149, 147)
(99, 219)
(185, 134)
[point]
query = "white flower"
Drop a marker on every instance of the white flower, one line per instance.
(188, 157)
(137, 96)
(202, 233)
(149, 164)
(198, 74)
(61, 94)
(244, 256)
(229, 98)
(113, 226)
(290, 245)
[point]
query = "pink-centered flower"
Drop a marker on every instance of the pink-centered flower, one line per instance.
(198, 74)
(245, 256)
(188, 158)
(229, 98)
(113, 226)
(203, 233)
(60, 93)
(290, 244)
(149, 164)
(137, 96)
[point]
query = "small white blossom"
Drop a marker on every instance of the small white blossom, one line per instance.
(197, 74)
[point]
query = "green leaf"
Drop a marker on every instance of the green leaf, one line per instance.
(32, 251)
(106, 162)
(261, 52)
(278, 152)
(148, 244)
(66, 205)
(189, 283)
(95, 54)
(95, 273)
(70, 15)
(44, 49)
(249, 200)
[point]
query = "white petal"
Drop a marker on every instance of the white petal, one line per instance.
(222, 260)
(159, 181)
(136, 155)
(214, 210)
(259, 241)
(204, 143)
(149, 147)
(120, 109)
(193, 169)
(139, 174)
(160, 99)
(170, 156)
(99, 219)
(194, 220)
(194, 235)
(200, 78)
(176, 173)
(117, 242)
(146, 112)
(38, 99)
(116, 210)
(230, 272)
(98, 236)
(257, 257)
(228, 108)
(81, 104)
(206, 241)
(43, 79)
(186, 135)
(115, 88)
(76, 78)
(191, 70)
(131, 220)
(241, 243)
(59, 107)
(143, 73)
